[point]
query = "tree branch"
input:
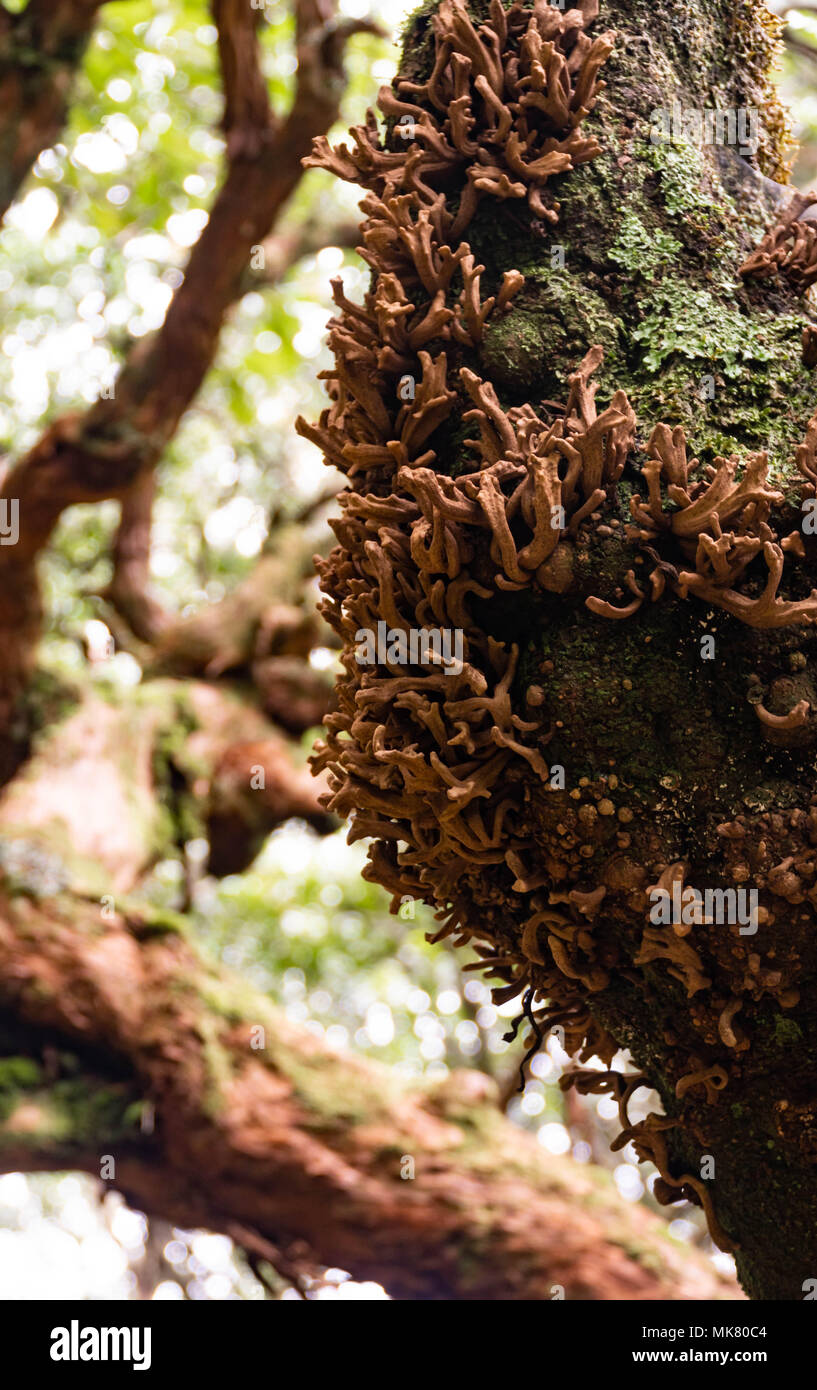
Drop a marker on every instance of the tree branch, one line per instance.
(258, 1124)
(129, 591)
(200, 762)
(799, 46)
(286, 248)
(40, 51)
(85, 458)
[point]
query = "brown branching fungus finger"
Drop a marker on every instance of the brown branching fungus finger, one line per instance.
(788, 248)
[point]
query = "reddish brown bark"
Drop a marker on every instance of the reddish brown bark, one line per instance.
(99, 780)
(99, 455)
(291, 1144)
(273, 1138)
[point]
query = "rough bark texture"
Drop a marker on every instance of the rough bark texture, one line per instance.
(685, 738)
(677, 767)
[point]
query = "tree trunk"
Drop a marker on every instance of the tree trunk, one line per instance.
(119, 1043)
(661, 658)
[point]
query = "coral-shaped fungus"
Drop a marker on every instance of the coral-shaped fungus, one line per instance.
(446, 769)
(789, 247)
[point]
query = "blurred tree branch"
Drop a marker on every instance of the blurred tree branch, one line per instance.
(792, 41)
(107, 450)
(129, 591)
(118, 785)
(799, 46)
(259, 1129)
(40, 51)
(119, 1041)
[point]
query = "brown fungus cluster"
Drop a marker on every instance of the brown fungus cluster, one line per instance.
(788, 248)
(499, 116)
(437, 760)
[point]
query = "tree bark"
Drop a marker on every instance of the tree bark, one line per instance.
(116, 784)
(687, 724)
(118, 1039)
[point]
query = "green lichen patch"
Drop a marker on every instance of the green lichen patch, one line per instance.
(640, 251)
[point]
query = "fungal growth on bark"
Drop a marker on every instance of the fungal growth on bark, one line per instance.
(789, 247)
(568, 788)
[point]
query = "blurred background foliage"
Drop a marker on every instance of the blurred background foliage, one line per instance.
(798, 81)
(89, 257)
